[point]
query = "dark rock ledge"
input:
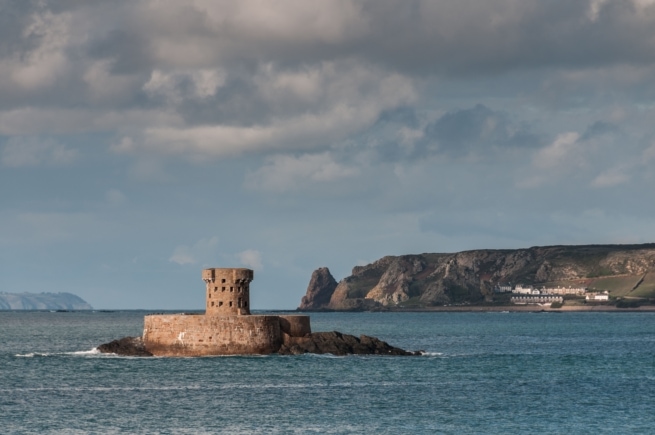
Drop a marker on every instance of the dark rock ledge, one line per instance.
(337, 343)
(126, 346)
(334, 343)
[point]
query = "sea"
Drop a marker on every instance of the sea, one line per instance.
(481, 373)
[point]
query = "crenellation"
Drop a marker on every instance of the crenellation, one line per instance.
(227, 327)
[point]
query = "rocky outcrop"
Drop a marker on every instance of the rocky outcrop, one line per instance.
(336, 343)
(126, 346)
(469, 277)
(319, 291)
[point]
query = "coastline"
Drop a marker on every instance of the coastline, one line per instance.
(499, 309)
(529, 308)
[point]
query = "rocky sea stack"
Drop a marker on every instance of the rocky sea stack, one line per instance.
(319, 291)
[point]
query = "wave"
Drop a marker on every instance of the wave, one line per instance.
(432, 354)
(91, 352)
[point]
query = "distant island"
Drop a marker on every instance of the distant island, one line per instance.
(42, 301)
(567, 277)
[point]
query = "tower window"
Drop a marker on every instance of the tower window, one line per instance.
(223, 289)
(212, 303)
(230, 303)
(245, 304)
(232, 289)
(223, 280)
(220, 304)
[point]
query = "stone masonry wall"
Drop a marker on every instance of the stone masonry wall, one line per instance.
(227, 291)
(203, 335)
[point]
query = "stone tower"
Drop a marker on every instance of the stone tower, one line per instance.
(228, 291)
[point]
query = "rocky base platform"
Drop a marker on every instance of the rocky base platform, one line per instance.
(334, 343)
(126, 346)
(337, 343)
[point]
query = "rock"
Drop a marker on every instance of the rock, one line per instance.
(340, 344)
(335, 343)
(469, 277)
(126, 346)
(319, 291)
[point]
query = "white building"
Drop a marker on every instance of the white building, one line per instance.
(520, 290)
(564, 290)
(541, 299)
(597, 297)
(503, 288)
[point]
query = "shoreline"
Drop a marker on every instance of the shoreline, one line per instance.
(502, 308)
(531, 308)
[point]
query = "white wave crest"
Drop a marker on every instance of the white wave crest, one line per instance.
(91, 352)
(431, 353)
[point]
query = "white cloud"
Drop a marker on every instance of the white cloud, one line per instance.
(103, 86)
(24, 151)
(610, 178)
(45, 63)
(560, 160)
(557, 153)
(286, 172)
(308, 110)
(251, 258)
(170, 85)
(202, 250)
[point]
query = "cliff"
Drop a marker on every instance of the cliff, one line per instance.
(42, 301)
(469, 277)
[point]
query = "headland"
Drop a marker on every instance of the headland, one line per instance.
(564, 278)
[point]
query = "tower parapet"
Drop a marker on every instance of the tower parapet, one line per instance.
(228, 291)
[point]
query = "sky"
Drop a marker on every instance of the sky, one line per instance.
(144, 140)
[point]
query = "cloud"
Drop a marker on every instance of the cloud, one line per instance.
(462, 131)
(610, 178)
(25, 151)
(303, 111)
(202, 250)
(558, 153)
(287, 172)
(251, 258)
(175, 86)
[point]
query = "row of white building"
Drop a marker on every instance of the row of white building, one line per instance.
(549, 299)
(544, 295)
(530, 290)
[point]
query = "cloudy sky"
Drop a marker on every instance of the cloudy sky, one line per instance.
(143, 140)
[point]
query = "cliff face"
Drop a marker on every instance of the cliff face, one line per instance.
(319, 291)
(469, 277)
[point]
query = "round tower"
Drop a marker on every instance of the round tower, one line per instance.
(228, 291)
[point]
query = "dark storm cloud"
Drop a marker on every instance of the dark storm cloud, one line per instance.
(444, 37)
(472, 37)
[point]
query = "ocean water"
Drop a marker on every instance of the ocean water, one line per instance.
(482, 373)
